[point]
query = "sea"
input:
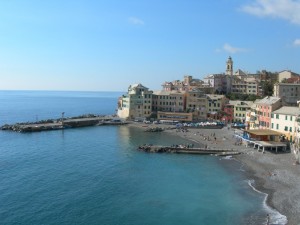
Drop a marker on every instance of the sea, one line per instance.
(95, 175)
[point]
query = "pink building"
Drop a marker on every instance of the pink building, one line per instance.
(264, 108)
(229, 113)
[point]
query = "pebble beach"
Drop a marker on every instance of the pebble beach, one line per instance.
(273, 174)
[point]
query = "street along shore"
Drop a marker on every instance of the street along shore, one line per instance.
(273, 174)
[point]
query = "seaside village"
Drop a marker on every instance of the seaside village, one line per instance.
(269, 115)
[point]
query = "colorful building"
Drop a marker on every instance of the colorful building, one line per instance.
(168, 101)
(264, 108)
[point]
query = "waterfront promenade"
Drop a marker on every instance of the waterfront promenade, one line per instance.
(274, 174)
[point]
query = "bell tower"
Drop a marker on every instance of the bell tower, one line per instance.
(229, 66)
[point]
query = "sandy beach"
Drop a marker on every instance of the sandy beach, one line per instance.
(274, 174)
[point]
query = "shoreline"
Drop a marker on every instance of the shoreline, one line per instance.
(274, 174)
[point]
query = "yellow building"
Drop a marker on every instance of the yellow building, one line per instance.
(196, 103)
(168, 101)
(240, 110)
(215, 104)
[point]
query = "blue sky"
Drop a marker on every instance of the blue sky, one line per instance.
(98, 45)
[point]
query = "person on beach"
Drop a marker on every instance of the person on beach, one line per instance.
(268, 219)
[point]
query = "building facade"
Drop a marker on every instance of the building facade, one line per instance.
(240, 110)
(289, 93)
(196, 102)
(284, 120)
(136, 104)
(168, 101)
(215, 105)
(286, 74)
(264, 108)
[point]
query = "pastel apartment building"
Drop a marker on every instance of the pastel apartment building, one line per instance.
(136, 104)
(168, 101)
(215, 104)
(228, 110)
(240, 109)
(264, 108)
(284, 120)
(196, 103)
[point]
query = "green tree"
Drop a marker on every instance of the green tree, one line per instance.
(267, 87)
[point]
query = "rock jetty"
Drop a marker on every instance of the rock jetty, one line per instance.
(186, 149)
(57, 124)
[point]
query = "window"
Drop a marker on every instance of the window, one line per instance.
(291, 119)
(272, 125)
(291, 129)
(277, 116)
(286, 117)
(277, 126)
(286, 128)
(272, 115)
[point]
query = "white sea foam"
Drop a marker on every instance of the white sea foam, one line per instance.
(227, 157)
(276, 218)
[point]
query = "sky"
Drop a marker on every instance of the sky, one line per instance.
(106, 45)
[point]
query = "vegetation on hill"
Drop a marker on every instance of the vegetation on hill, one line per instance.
(267, 86)
(242, 97)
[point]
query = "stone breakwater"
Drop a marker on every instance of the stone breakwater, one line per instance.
(63, 123)
(186, 150)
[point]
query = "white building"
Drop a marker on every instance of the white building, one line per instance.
(286, 74)
(284, 120)
(288, 92)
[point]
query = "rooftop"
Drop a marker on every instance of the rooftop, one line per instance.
(261, 132)
(269, 100)
(288, 110)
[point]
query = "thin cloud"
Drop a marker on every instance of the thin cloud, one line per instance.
(297, 43)
(135, 21)
(230, 49)
(283, 9)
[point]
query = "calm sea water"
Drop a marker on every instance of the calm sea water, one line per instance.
(95, 175)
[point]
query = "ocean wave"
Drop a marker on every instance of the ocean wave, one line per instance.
(276, 218)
